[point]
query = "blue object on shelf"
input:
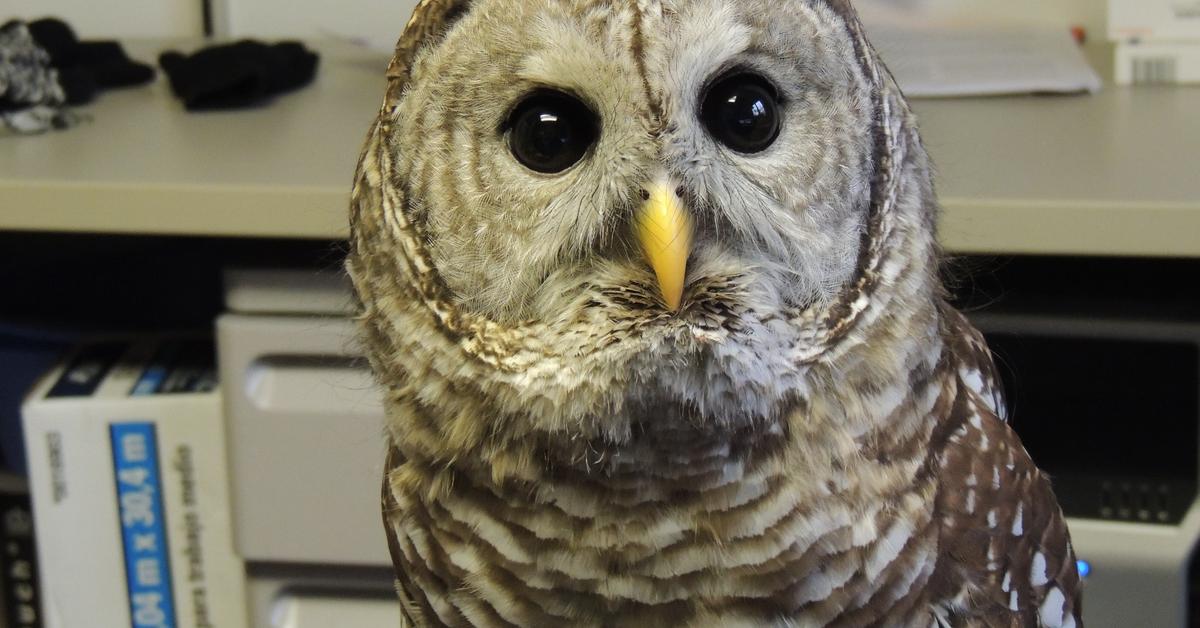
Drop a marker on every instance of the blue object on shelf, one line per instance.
(25, 354)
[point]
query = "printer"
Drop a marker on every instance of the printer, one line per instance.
(304, 423)
(306, 451)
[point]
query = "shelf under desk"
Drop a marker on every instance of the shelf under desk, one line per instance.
(1110, 174)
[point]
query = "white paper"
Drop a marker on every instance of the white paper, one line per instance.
(980, 59)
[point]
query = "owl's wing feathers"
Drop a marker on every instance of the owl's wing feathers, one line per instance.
(419, 566)
(390, 510)
(1006, 553)
(389, 507)
(976, 364)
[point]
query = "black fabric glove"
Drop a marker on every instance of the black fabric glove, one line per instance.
(241, 74)
(103, 61)
(111, 66)
(56, 38)
(87, 66)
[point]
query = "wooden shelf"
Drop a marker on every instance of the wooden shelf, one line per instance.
(1109, 174)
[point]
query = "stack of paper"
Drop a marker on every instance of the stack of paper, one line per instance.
(982, 59)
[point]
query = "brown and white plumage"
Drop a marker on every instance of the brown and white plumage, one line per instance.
(813, 438)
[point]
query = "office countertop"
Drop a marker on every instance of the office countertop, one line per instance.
(1111, 174)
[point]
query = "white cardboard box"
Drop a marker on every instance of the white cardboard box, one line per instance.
(129, 483)
(1157, 63)
(1154, 20)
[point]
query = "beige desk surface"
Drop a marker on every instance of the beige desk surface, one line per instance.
(1111, 174)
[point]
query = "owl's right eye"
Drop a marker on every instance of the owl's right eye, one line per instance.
(550, 131)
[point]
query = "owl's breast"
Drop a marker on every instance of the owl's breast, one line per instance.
(679, 523)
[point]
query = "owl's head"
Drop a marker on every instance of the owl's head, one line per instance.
(553, 144)
(566, 185)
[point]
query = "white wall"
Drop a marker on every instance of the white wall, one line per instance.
(114, 18)
(375, 22)
(1088, 13)
(378, 22)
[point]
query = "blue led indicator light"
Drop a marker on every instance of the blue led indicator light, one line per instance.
(1084, 567)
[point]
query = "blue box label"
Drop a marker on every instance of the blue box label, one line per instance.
(143, 527)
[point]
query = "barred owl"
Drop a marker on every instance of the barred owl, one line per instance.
(651, 287)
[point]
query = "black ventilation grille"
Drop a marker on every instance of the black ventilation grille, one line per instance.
(1112, 421)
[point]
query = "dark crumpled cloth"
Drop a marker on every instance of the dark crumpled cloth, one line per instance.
(44, 67)
(86, 67)
(241, 74)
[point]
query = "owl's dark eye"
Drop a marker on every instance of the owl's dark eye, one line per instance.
(741, 111)
(550, 131)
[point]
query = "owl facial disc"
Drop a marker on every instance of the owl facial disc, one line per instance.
(664, 231)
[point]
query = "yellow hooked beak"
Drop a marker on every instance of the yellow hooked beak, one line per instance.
(664, 230)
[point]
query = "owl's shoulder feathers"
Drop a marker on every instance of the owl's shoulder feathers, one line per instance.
(1006, 552)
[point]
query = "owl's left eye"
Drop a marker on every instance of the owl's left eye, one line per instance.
(741, 110)
(550, 131)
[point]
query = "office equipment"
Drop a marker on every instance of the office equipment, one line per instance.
(1157, 41)
(20, 592)
(128, 475)
(1134, 517)
(1109, 407)
(25, 354)
(306, 450)
(304, 421)
(310, 596)
(1157, 63)
(1153, 20)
